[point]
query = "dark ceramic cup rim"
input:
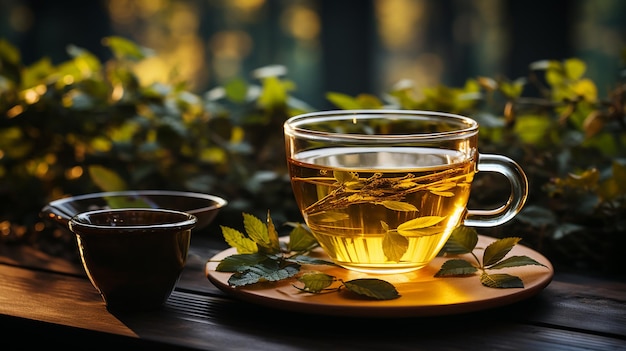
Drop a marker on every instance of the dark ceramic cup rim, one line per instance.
(177, 220)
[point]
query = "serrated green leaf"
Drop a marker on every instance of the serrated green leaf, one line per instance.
(516, 261)
(265, 271)
(456, 267)
(498, 249)
(300, 239)
(240, 262)
(462, 240)
(372, 287)
(256, 230)
(501, 281)
(238, 240)
(304, 259)
(282, 273)
(316, 281)
(243, 279)
(394, 246)
(399, 206)
(272, 234)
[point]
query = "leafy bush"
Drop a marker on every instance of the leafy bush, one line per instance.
(84, 126)
(570, 142)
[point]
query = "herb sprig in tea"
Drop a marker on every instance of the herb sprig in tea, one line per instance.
(385, 191)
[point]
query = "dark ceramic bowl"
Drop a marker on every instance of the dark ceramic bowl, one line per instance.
(205, 207)
(133, 256)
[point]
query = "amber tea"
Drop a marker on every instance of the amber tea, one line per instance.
(382, 190)
(386, 209)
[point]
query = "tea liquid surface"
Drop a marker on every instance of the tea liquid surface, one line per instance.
(382, 210)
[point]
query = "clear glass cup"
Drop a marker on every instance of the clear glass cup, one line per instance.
(382, 190)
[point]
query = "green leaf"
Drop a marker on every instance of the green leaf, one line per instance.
(86, 62)
(238, 240)
(301, 239)
(498, 249)
(344, 177)
(123, 48)
(407, 227)
(343, 101)
(267, 271)
(257, 231)
(532, 129)
(304, 259)
(462, 240)
(514, 89)
(274, 93)
(574, 68)
(316, 281)
(245, 278)
(37, 73)
(236, 90)
(9, 52)
(106, 179)
(501, 281)
(516, 261)
(394, 246)
(240, 262)
(372, 287)
(456, 267)
(273, 235)
(399, 206)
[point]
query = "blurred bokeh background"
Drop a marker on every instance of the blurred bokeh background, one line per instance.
(348, 46)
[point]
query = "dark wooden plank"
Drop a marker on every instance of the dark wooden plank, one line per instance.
(71, 306)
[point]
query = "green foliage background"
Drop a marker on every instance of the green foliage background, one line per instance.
(85, 126)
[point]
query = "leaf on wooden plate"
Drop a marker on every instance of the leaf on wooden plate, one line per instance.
(498, 249)
(240, 262)
(462, 240)
(238, 240)
(501, 281)
(257, 230)
(516, 261)
(316, 281)
(301, 239)
(373, 288)
(456, 267)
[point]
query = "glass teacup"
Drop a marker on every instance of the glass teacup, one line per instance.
(382, 190)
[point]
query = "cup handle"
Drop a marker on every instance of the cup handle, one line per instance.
(519, 192)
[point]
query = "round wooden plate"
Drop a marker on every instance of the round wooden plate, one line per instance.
(421, 293)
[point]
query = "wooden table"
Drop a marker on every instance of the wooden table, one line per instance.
(46, 302)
